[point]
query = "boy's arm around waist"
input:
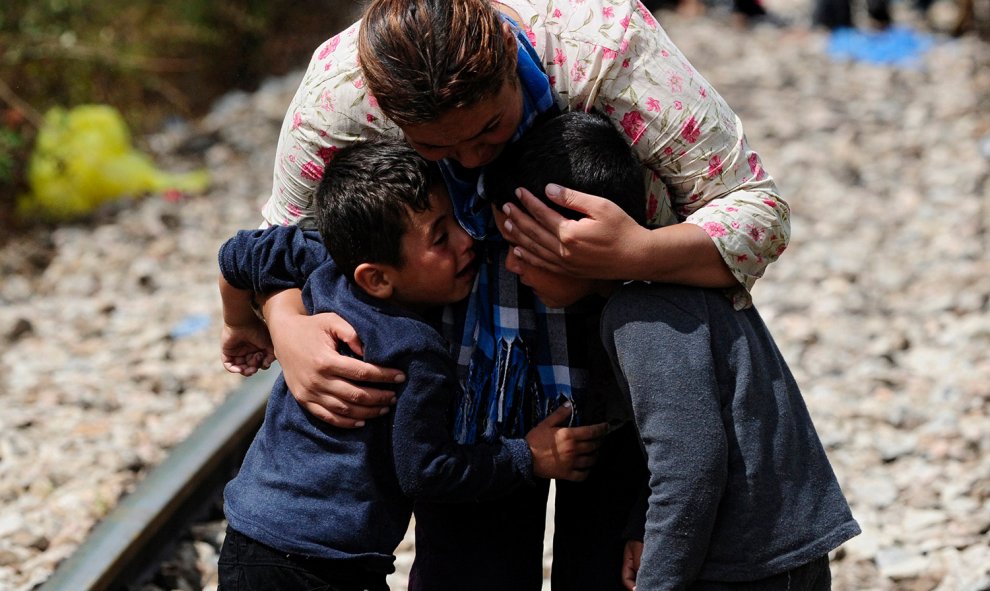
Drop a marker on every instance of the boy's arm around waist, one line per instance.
(271, 259)
(429, 463)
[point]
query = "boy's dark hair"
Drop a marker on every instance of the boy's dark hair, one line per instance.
(577, 150)
(364, 198)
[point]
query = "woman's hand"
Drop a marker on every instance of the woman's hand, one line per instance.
(608, 244)
(601, 245)
(322, 380)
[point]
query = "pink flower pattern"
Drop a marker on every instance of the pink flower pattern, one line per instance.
(326, 153)
(652, 104)
(579, 72)
(715, 229)
(651, 22)
(691, 131)
(326, 100)
(329, 47)
(714, 166)
(634, 126)
(312, 171)
(756, 168)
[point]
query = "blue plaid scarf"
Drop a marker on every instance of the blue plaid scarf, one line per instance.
(512, 352)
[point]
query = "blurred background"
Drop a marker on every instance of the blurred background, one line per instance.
(155, 63)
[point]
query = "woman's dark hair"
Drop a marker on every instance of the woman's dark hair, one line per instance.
(577, 150)
(422, 58)
(364, 198)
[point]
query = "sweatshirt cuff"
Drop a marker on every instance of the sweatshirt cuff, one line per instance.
(522, 458)
(226, 258)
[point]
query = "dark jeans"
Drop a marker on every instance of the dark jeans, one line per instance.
(814, 576)
(248, 565)
(498, 545)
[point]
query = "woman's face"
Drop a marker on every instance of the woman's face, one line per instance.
(473, 136)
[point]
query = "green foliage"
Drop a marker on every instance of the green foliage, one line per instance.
(128, 54)
(148, 59)
(10, 145)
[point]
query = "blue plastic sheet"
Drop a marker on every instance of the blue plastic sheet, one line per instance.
(190, 325)
(894, 46)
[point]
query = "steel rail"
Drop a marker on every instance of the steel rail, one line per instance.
(127, 545)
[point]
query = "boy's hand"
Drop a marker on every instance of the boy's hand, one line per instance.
(630, 563)
(246, 349)
(564, 452)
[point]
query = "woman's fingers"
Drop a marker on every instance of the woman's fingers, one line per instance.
(356, 370)
(533, 223)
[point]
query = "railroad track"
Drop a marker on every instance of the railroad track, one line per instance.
(126, 548)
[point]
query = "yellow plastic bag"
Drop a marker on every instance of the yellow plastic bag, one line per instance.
(83, 157)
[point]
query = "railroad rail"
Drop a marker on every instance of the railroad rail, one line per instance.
(127, 546)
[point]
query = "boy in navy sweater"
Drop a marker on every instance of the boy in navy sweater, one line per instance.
(314, 506)
(741, 494)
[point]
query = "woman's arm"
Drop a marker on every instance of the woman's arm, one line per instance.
(608, 244)
(700, 168)
(332, 387)
(279, 260)
(330, 109)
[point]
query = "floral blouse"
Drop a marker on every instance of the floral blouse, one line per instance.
(608, 54)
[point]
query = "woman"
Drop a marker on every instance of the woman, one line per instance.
(461, 79)
(700, 168)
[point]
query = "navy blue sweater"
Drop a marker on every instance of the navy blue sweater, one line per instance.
(345, 494)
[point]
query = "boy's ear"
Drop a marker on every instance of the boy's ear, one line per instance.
(374, 279)
(509, 36)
